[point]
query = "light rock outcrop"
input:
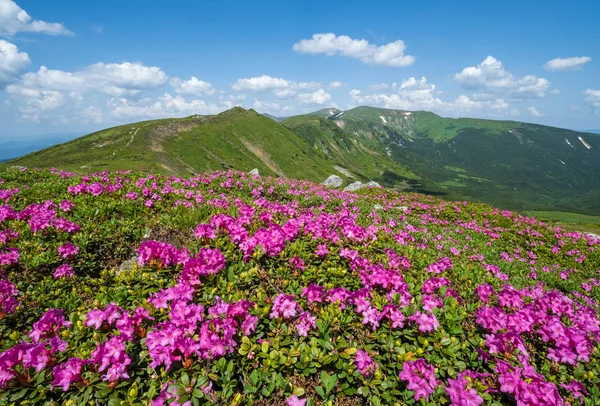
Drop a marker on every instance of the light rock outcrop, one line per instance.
(333, 181)
(354, 186)
(254, 172)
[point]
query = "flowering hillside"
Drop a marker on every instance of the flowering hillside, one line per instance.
(230, 289)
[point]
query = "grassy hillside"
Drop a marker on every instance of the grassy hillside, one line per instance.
(237, 139)
(506, 163)
(353, 158)
(510, 164)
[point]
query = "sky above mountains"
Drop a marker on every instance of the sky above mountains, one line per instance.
(73, 66)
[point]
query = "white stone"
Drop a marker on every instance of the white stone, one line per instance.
(333, 181)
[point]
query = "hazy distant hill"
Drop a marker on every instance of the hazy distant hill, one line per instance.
(16, 148)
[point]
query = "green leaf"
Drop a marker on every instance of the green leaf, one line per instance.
(185, 379)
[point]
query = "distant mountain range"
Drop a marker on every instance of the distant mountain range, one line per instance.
(507, 163)
(16, 148)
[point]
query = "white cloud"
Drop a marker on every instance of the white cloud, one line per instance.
(270, 107)
(112, 79)
(163, 106)
(413, 94)
(491, 76)
(419, 94)
(232, 100)
(262, 83)
(391, 54)
(193, 86)
(534, 112)
(555, 91)
(574, 63)
(593, 98)
(336, 84)
(318, 97)
(283, 88)
(12, 62)
(285, 93)
(13, 19)
(38, 93)
(379, 86)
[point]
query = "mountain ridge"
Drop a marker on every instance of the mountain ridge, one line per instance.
(508, 163)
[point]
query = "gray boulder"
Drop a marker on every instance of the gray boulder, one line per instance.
(373, 184)
(378, 207)
(354, 186)
(333, 181)
(254, 172)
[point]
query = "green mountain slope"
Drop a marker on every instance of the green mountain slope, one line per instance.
(506, 163)
(238, 138)
(353, 158)
(509, 164)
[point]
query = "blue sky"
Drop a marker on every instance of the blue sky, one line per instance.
(73, 66)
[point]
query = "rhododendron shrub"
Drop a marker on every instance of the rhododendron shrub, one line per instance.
(227, 288)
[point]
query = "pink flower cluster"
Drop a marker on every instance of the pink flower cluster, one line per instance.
(420, 377)
(40, 353)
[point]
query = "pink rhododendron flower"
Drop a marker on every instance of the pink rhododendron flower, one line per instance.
(420, 377)
(364, 363)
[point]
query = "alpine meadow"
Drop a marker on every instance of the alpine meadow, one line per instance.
(299, 204)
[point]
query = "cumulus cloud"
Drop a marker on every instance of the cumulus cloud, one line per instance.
(419, 94)
(271, 107)
(12, 62)
(232, 100)
(38, 93)
(262, 83)
(165, 105)
(318, 97)
(112, 79)
(534, 112)
(391, 54)
(193, 87)
(491, 76)
(573, 63)
(336, 84)
(284, 88)
(593, 98)
(13, 19)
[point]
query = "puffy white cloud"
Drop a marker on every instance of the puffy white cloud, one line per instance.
(391, 54)
(232, 100)
(534, 112)
(112, 79)
(163, 106)
(283, 88)
(336, 84)
(262, 83)
(37, 93)
(413, 94)
(318, 97)
(193, 86)
(13, 19)
(271, 107)
(574, 63)
(12, 62)
(285, 93)
(419, 94)
(491, 76)
(593, 98)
